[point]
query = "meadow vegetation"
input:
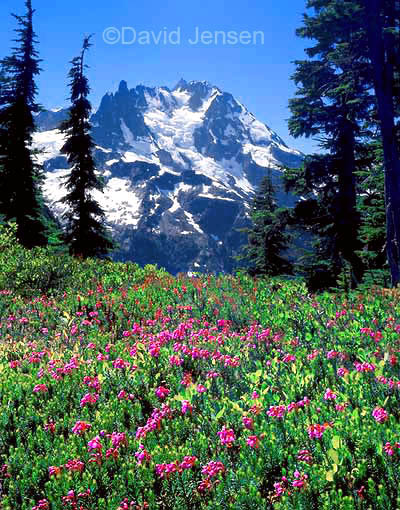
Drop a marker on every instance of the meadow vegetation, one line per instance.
(127, 388)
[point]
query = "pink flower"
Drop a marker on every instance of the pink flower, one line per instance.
(54, 470)
(154, 350)
(213, 468)
(253, 441)
(276, 411)
(187, 379)
(40, 388)
(188, 462)
(380, 415)
(364, 367)
(127, 505)
(305, 456)
(205, 485)
(162, 392)
(95, 444)
(89, 399)
(342, 371)
(200, 388)
(248, 422)
(176, 360)
(329, 395)
(164, 470)
(289, 358)
(300, 480)
(43, 504)
(186, 407)
(49, 427)
(112, 452)
(227, 436)
(80, 427)
(92, 382)
(75, 465)
(142, 455)
(120, 363)
(316, 431)
(389, 449)
(118, 439)
(313, 355)
(122, 395)
(332, 354)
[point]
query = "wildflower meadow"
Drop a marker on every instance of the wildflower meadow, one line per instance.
(133, 389)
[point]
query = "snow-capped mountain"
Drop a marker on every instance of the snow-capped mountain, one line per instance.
(180, 167)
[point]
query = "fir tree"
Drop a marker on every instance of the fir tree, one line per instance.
(267, 238)
(333, 101)
(382, 24)
(86, 234)
(20, 177)
(367, 34)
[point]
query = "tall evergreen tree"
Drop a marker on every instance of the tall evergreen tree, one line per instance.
(86, 234)
(382, 24)
(333, 101)
(267, 238)
(370, 31)
(20, 177)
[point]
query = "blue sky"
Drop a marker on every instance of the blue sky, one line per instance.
(257, 74)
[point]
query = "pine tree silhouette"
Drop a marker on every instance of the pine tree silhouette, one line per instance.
(20, 177)
(86, 234)
(268, 239)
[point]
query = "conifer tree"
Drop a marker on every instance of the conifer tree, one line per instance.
(333, 100)
(382, 24)
(86, 234)
(267, 238)
(20, 177)
(365, 36)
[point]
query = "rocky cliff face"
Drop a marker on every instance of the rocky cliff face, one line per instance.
(180, 168)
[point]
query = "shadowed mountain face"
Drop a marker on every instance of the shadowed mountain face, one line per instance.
(180, 168)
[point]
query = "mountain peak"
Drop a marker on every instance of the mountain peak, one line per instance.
(173, 162)
(182, 84)
(123, 87)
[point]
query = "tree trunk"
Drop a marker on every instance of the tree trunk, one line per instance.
(347, 216)
(382, 55)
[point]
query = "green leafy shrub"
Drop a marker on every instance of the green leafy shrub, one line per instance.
(28, 272)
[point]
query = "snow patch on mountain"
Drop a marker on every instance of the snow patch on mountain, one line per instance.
(49, 143)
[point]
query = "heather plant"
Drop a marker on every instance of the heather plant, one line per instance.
(133, 389)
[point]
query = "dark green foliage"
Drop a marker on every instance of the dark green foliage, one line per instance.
(322, 264)
(333, 101)
(38, 270)
(371, 204)
(50, 271)
(268, 239)
(86, 234)
(20, 176)
(348, 90)
(314, 214)
(381, 22)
